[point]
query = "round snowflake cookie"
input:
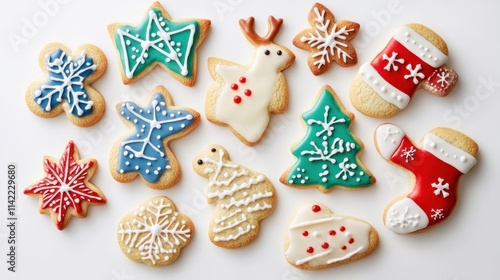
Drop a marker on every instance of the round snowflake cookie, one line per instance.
(317, 238)
(155, 232)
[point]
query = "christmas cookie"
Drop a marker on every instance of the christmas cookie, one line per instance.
(327, 40)
(155, 232)
(327, 156)
(158, 40)
(242, 198)
(317, 238)
(243, 97)
(436, 166)
(66, 190)
(414, 58)
(145, 150)
(66, 85)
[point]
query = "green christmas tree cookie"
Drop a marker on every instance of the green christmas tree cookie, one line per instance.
(327, 156)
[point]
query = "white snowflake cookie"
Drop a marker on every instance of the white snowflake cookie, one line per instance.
(317, 238)
(67, 84)
(414, 58)
(437, 165)
(243, 198)
(155, 232)
(327, 40)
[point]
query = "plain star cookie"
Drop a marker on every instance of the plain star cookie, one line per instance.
(328, 154)
(66, 190)
(159, 40)
(317, 238)
(243, 97)
(327, 40)
(436, 166)
(242, 198)
(414, 58)
(155, 232)
(67, 84)
(145, 150)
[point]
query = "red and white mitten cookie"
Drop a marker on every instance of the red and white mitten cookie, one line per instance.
(443, 157)
(414, 58)
(317, 238)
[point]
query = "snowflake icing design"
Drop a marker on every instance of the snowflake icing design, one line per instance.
(443, 76)
(408, 155)
(329, 42)
(155, 231)
(437, 214)
(144, 151)
(66, 81)
(66, 186)
(441, 188)
(389, 134)
(162, 41)
(403, 220)
(414, 73)
(391, 61)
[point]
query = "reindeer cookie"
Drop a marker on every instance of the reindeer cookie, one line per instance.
(414, 58)
(436, 167)
(243, 97)
(242, 197)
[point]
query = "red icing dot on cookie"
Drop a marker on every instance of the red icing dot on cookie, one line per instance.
(247, 92)
(325, 245)
(234, 87)
(310, 250)
(351, 240)
(316, 208)
(342, 228)
(237, 99)
(332, 232)
(305, 233)
(343, 247)
(243, 80)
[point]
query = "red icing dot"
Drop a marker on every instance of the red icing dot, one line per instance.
(351, 240)
(332, 232)
(310, 250)
(237, 99)
(316, 208)
(247, 92)
(342, 228)
(343, 247)
(243, 80)
(234, 86)
(325, 245)
(305, 233)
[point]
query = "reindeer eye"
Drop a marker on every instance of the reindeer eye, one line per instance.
(200, 162)
(267, 52)
(213, 150)
(279, 52)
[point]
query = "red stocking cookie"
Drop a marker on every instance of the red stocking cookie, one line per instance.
(415, 57)
(443, 156)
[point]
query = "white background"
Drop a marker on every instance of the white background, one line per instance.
(466, 246)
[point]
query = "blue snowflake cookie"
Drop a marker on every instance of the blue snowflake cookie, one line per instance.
(66, 86)
(145, 151)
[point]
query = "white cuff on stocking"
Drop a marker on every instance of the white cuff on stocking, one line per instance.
(388, 138)
(405, 216)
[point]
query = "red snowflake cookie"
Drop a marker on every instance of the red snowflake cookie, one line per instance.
(66, 189)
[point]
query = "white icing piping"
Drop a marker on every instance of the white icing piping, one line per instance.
(448, 153)
(420, 46)
(388, 92)
(360, 249)
(314, 222)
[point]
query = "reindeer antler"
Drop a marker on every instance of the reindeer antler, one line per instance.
(273, 28)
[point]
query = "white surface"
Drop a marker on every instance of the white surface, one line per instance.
(463, 247)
